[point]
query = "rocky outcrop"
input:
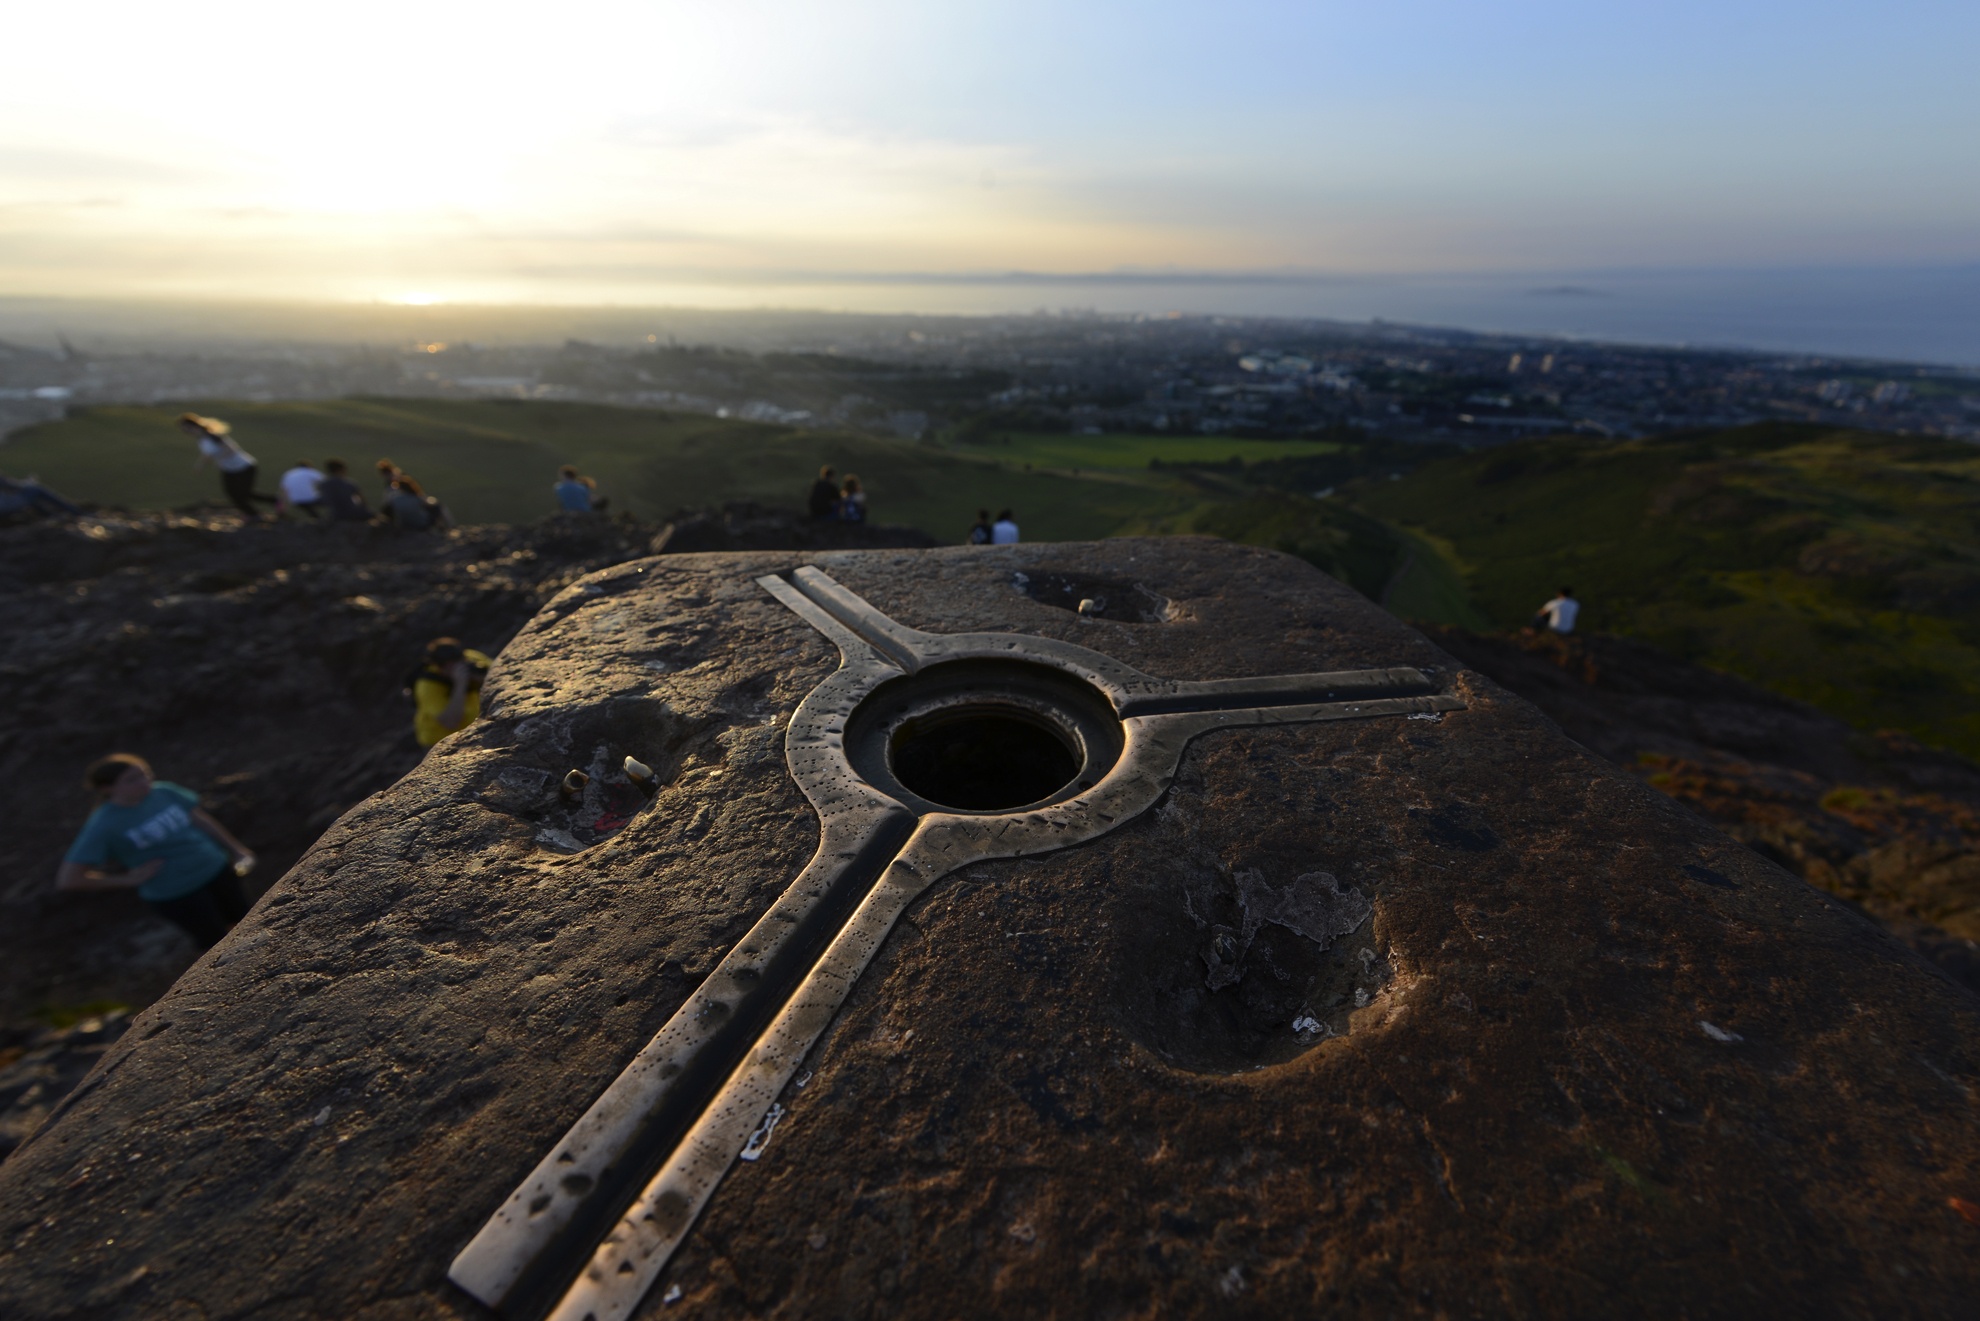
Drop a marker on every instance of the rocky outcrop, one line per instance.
(39, 1065)
(1878, 820)
(742, 525)
(1381, 1016)
(262, 666)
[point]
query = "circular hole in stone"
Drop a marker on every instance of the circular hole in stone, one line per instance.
(983, 735)
(982, 758)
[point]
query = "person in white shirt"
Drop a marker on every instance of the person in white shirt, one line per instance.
(302, 489)
(236, 465)
(1558, 614)
(1004, 532)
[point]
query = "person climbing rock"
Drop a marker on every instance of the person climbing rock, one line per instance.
(446, 690)
(164, 844)
(237, 467)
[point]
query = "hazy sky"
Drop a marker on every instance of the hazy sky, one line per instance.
(600, 151)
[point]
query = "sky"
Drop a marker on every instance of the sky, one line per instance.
(608, 151)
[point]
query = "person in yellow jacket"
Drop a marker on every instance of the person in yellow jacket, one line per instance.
(446, 690)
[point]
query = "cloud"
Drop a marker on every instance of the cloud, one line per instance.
(68, 166)
(543, 154)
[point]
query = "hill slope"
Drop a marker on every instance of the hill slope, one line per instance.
(495, 460)
(1883, 822)
(1839, 568)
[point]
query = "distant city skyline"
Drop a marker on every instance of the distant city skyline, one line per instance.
(779, 153)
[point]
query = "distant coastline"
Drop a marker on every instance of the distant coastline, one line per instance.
(1901, 314)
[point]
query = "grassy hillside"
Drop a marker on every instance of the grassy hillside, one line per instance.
(495, 460)
(1842, 568)
(1838, 567)
(1127, 452)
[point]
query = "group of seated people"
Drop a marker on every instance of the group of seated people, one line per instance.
(329, 493)
(843, 502)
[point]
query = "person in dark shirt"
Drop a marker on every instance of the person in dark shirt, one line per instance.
(339, 495)
(389, 473)
(980, 534)
(824, 502)
(410, 509)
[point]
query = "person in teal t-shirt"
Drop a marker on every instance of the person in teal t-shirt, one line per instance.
(179, 859)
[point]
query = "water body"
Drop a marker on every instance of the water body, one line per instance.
(1905, 314)
(1919, 314)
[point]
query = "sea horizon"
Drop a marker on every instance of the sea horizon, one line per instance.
(1911, 314)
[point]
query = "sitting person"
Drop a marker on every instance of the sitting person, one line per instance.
(577, 495)
(446, 690)
(340, 496)
(177, 857)
(301, 489)
(1004, 532)
(410, 509)
(28, 496)
(980, 534)
(852, 501)
(1557, 615)
(823, 503)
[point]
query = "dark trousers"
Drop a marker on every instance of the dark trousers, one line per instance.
(209, 912)
(239, 487)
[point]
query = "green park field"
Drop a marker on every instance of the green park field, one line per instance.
(1116, 452)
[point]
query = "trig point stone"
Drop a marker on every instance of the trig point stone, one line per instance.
(1146, 928)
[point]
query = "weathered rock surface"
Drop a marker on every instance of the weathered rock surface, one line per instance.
(39, 1066)
(742, 525)
(261, 666)
(1879, 820)
(1582, 1055)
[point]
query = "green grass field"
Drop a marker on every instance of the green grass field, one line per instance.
(1842, 568)
(495, 461)
(1838, 567)
(1122, 452)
